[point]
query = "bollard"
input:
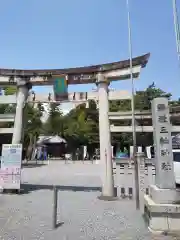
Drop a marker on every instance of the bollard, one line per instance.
(130, 190)
(123, 195)
(141, 179)
(55, 196)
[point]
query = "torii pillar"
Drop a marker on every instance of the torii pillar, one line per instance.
(108, 192)
(22, 95)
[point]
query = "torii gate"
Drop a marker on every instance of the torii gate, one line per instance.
(101, 75)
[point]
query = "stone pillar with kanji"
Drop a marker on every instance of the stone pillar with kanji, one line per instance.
(162, 204)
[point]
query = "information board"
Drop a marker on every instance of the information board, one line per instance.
(10, 172)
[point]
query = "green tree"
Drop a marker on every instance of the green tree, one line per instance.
(10, 90)
(81, 127)
(32, 126)
(143, 98)
(54, 124)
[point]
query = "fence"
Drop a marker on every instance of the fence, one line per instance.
(123, 171)
(125, 179)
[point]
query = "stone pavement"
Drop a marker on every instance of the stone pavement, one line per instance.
(81, 215)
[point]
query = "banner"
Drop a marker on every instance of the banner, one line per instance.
(60, 88)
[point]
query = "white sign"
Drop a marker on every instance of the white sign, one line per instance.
(10, 172)
(162, 143)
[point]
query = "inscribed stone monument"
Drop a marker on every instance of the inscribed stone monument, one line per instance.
(163, 144)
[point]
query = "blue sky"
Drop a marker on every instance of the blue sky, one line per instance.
(70, 33)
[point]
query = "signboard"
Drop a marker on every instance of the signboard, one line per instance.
(60, 88)
(163, 144)
(81, 78)
(10, 172)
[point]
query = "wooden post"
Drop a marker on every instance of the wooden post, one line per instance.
(141, 175)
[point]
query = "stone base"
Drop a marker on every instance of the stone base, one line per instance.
(162, 218)
(109, 198)
(164, 196)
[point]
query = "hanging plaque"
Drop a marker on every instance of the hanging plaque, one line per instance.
(60, 88)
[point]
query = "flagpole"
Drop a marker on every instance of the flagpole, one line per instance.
(133, 107)
(176, 28)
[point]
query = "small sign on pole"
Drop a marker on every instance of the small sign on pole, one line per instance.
(10, 172)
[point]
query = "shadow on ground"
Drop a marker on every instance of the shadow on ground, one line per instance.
(32, 165)
(59, 224)
(27, 188)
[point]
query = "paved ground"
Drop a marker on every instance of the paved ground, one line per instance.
(80, 214)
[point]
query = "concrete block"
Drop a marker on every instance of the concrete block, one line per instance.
(162, 217)
(158, 224)
(164, 196)
(173, 224)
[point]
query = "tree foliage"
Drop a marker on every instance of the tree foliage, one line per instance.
(142, 99)
(10, 90)
(54, 123)
(32, 126)
(81, 126)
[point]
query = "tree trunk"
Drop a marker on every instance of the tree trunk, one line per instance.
(29, 148)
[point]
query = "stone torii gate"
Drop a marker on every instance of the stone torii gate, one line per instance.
(101, 75)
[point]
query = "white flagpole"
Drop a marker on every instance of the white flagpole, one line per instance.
(176, 28)
(133, 107)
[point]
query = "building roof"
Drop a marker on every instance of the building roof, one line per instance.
(50, 139)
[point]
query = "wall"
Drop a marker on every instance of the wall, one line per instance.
(124, 177)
